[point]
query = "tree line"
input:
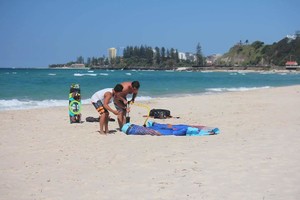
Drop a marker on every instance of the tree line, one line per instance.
(241, 54)
(143, 57)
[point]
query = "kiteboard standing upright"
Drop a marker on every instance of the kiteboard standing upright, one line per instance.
(75, 104)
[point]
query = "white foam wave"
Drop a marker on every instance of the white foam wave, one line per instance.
(15, 104)
(79, 74)
(282, 74)
(104, 74)
(129, 74)
(51, 74)
(208, 71)
(143, 98)
(241, 89)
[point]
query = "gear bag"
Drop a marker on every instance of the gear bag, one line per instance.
(160, 113)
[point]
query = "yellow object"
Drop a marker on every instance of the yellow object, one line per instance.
(144, 106)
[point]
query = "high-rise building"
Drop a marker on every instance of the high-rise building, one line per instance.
(112, 53)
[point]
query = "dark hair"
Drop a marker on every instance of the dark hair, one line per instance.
(135, 84)
(118, 88)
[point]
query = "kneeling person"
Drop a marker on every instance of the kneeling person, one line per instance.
(101, 101)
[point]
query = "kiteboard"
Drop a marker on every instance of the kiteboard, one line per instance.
(75, 104)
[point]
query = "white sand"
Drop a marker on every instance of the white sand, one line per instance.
(256, 156)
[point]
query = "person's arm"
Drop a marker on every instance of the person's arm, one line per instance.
(133, 97)
(123, 99)
(118, 101)
(107, 97)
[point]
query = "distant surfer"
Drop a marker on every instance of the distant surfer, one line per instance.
(120, 104)
(101, 100)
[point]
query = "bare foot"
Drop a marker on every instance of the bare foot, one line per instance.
(102, 132)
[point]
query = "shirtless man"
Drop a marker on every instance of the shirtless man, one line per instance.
(120, 104)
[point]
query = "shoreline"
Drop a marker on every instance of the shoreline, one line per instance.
(189, 69)
(182, 69)
(44, 104)
(43, 156)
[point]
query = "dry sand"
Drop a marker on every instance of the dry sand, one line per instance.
(256, 155)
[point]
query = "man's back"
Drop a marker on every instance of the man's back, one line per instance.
(127, 89)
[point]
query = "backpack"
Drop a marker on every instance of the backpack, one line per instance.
(160, 113)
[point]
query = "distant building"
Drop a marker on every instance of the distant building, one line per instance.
(76, 65)
(212, 59)
(112, 53)
(181, 56)
(291, 65)
(190, 56)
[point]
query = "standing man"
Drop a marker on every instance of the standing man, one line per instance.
(100, 100)
(120, 104)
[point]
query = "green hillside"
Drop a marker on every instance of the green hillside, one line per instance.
(259, 54)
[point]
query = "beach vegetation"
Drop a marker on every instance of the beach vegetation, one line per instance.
(199, 55)
(242, 54)
(260, 54)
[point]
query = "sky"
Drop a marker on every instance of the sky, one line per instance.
(37, 33)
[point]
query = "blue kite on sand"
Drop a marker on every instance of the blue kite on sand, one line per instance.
(153, 128)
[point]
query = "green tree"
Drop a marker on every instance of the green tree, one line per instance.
(168, 54)
(177, 56)
(149, 55)
(80, 60)
(172, 53)
(257, 44)
(199, 56)
(88, 62)
(94, 61)
(157, 56)
(163, 54)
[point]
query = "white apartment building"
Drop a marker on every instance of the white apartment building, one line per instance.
(181, 56)
(112, 53)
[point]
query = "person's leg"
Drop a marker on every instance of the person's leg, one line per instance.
(121, 119)
(106, 122)
(99, 107)
(102, 123)
(121, 116)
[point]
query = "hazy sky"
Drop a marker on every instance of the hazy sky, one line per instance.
(36, 33)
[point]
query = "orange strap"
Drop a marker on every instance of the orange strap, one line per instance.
(101, 110)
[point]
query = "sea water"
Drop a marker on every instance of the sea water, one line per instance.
(37, 88)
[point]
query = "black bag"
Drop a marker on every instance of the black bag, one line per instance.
(92, 119)
(160, 113)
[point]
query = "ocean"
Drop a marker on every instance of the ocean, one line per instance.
(39, 88)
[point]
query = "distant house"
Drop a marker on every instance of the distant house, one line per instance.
(291, 65)
(76, 65)
(212, 59)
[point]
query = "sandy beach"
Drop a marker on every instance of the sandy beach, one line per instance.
(256, 155)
